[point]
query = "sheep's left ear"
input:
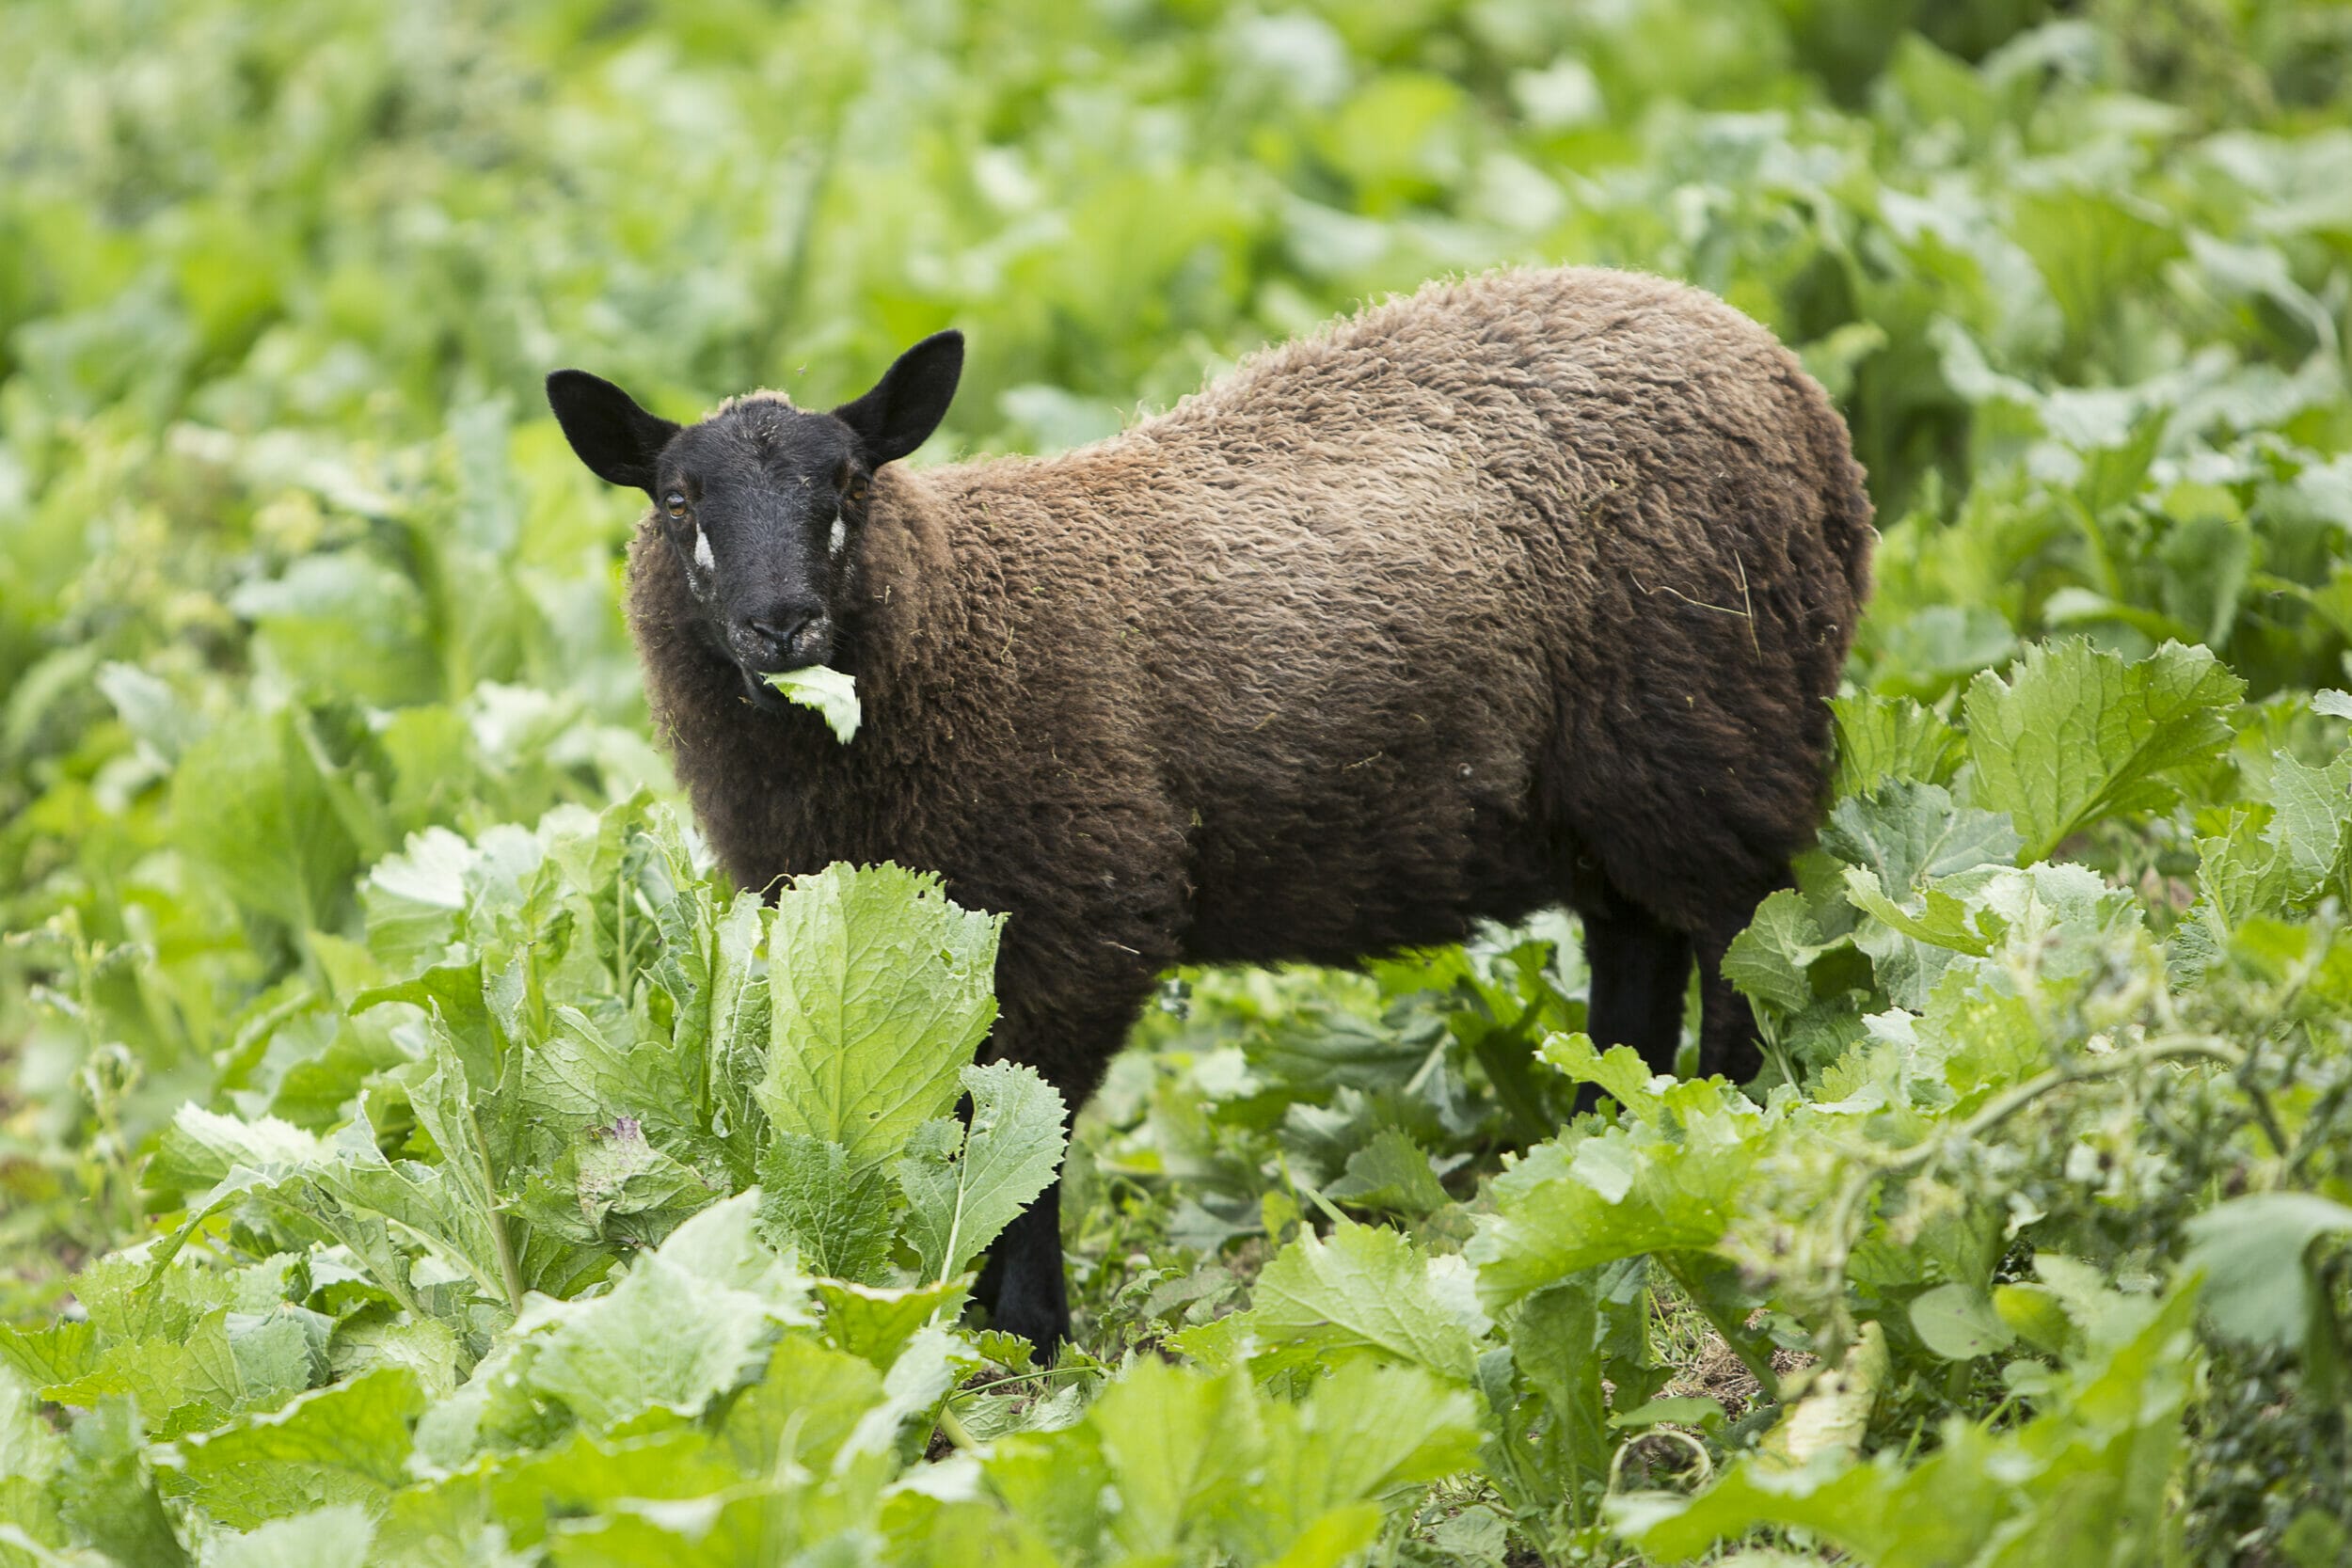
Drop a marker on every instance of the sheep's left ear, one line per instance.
(910, 400)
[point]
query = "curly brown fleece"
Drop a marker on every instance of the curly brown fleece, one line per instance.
(1526, 589)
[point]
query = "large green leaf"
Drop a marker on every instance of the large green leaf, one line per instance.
(1772, 959)
(1634, 1188)
(830, 693)
(1883, 739)
(881, 990)
(1180, 1446)
(1359, 1434)
(837, 1215)
(343, 623)
(689, 1322)
(1906, 833)
(805, 1405)
(2253, 1251)
(2311, 823)
(109, 1491)
(2076, 734)
(1391, 1173)
(330, 1538)
(347, 1443)
(251, 802)
(388, 1213)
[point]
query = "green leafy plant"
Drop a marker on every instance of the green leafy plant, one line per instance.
(410, 1153)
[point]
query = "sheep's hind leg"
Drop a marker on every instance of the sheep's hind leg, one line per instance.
(1729, 1042)
(1640, 967)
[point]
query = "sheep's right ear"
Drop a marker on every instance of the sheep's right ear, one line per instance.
(910, 400)
(618, 440)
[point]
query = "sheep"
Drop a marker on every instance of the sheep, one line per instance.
(1526, 589)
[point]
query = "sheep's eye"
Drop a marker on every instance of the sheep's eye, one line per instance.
(675, 505)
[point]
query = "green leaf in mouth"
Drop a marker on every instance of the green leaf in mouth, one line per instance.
(833, 694)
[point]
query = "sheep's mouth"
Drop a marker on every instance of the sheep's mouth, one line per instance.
(762, 696)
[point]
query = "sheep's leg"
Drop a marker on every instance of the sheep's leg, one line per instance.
(1728, 1038)
(1640, 968)
(1069, 986)
(1022, 1284)
(1706, 885)
(1728, 1047)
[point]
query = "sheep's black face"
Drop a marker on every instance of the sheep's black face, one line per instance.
(758, 503)
(763, 502)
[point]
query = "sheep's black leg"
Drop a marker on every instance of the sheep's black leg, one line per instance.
(1068, 1033)
(1022, 1284)
(1727, 1037)
(1640, 968)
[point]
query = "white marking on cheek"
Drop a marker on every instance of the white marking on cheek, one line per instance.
(840, 536)
(702, 557)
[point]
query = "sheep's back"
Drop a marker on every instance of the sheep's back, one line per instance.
(1383, 605)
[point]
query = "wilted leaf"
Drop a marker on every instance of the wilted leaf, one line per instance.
(1835, 1410)
(2090, 1471)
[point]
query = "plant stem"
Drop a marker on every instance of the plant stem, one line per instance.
(509, 1275)
(955, 1431)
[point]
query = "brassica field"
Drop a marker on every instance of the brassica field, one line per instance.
(412, 1152)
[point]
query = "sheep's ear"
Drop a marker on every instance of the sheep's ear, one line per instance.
(910, 400)
(618, 440)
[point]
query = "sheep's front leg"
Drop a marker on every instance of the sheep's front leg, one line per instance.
(1071, 978)
(1023, 1284)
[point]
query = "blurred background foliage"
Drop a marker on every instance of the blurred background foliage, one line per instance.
(293, 565)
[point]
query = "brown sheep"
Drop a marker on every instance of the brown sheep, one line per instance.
(1526, 589)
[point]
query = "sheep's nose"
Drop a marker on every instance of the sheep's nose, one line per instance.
(784, 638)
(781, 627)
